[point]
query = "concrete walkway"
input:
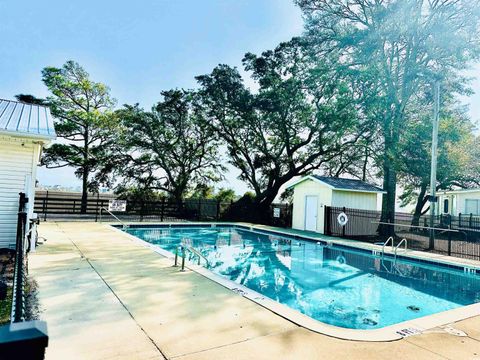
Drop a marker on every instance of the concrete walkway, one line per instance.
(105, 296)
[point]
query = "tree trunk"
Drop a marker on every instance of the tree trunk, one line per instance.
(83, 208)
(391, 137)
(85, 173)
(421, 200)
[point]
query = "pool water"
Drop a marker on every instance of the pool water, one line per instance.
(338, 286)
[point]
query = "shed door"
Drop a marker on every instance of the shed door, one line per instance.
(311, 213)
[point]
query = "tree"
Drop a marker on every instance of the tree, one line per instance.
(84, 120)
(400, 47)
(458, 155)
(302, 116)
(30, 99)
(225, 195)
(167, 149)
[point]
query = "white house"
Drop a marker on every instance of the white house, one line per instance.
(24, 130)
(455, 202)
(312, 193)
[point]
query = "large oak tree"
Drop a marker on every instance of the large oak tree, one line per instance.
(302, 116)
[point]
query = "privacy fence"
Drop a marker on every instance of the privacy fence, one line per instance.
(452, 235)
(67, 206)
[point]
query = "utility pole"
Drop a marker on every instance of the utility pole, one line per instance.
(433, 171)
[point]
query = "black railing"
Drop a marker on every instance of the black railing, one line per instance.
(69, 208)
(22, 339)
(452, 235)
(20, 272)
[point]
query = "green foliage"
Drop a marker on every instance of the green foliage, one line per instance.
(84, 120)
(287, 196)
(30, 99)
(225, 195)
(398, 48)
(203, 191)
(457, 165)
(167, 149)
(302, 116)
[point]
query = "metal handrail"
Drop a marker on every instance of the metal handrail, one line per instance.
(125, 226)
(403, 241)
(390, 239)
(199, 254)
(193, 251)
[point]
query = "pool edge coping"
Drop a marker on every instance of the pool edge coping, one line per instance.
(388, 333)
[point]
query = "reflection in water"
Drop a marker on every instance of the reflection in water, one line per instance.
(342, 287)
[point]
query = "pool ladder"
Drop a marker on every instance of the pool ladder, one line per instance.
(394, 268)
(183, 250)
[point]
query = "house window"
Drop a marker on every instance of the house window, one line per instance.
(472, 206)
(445, 206)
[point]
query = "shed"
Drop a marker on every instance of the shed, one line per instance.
(312, 193)
(455, 202)
(24, 130)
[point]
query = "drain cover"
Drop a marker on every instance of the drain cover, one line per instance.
(453, 331)
(413, 308)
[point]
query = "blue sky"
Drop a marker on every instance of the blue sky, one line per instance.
(139, 48)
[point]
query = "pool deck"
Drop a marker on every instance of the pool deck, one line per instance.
(104, 296)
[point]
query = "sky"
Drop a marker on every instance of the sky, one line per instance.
(140, 48)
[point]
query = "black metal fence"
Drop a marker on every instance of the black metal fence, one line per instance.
(69, 208)
(452, 235)
(22, 339)
(20, 268)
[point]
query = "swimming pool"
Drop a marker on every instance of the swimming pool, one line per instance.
(337, 285)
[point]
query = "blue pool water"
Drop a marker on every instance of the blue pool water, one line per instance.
(337, 286)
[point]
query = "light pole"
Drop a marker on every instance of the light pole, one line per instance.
(433, 171)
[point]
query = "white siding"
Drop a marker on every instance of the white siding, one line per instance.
(300, 191)
(18, 161)
(461, 201)
(354, 200)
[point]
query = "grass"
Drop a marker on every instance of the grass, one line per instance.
(6, 280)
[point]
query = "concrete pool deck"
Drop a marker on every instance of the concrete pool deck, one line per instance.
(104, 296)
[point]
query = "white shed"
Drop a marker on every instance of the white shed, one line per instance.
(312, 193)
(455, 202)
(24, 130)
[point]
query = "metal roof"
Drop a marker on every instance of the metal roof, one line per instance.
(347, 184)
(341, 184)
(26, 120)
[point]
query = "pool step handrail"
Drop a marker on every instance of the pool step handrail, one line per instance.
(403, 241)
(183, 251)
(124, 226)
(199, 255)
(390, 239)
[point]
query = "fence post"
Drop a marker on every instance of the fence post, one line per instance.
(218, 210)
(46, 208)
(162, 210)
(450, 239)
(96, 208)
(343, 226)
(460, 220)
(142, 209)
(199, 212)
(470, 221)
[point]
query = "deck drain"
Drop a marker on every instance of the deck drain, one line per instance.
(453, 331)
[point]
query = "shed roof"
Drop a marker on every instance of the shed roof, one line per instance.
(341, 184)
(26, 120)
